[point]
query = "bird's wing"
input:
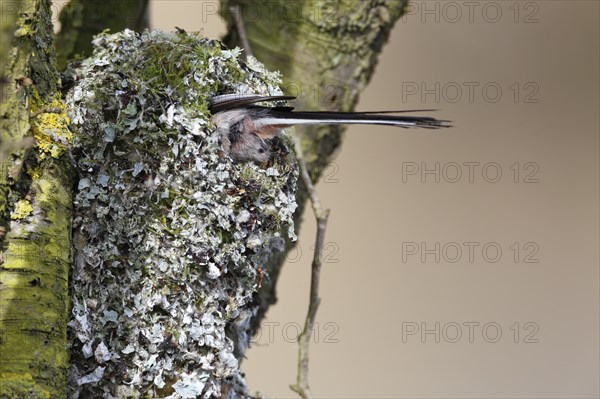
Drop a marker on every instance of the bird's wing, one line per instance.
(225, 102)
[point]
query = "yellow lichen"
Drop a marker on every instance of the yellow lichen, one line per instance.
(22, 31)
(50, 126)
(34, 173)
(22, 209)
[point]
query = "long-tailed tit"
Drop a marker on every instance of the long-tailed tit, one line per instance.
(246, 128)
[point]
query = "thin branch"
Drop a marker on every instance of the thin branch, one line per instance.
(45, 111)
(301, 387)
(236, 11)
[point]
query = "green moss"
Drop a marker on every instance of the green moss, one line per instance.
(164, 65)
(35, 277)
(22, 386)
(55, 199)
(37, 274)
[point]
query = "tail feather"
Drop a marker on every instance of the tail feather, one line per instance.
(377, 118)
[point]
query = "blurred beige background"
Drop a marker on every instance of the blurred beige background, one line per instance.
(479, 284)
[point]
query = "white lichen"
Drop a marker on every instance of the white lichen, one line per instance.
(169, 233)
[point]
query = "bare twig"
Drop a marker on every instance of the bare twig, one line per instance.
(236, 11)
(301, 387)
(55, 110)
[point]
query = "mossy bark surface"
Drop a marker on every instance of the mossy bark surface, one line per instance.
(9, 13)
(35, 196)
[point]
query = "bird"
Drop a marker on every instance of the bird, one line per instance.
(246, 128)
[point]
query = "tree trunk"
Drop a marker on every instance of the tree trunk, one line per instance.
(35, 184)
(82, 19)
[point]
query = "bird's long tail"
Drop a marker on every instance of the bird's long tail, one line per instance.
(284, 118)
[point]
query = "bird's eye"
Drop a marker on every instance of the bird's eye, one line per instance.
(261, 151)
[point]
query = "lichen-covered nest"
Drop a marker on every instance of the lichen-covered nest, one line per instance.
(168, 232)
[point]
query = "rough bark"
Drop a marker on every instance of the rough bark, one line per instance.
(327, 52)
(35, 203)
(82, 19)
(9, 13)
